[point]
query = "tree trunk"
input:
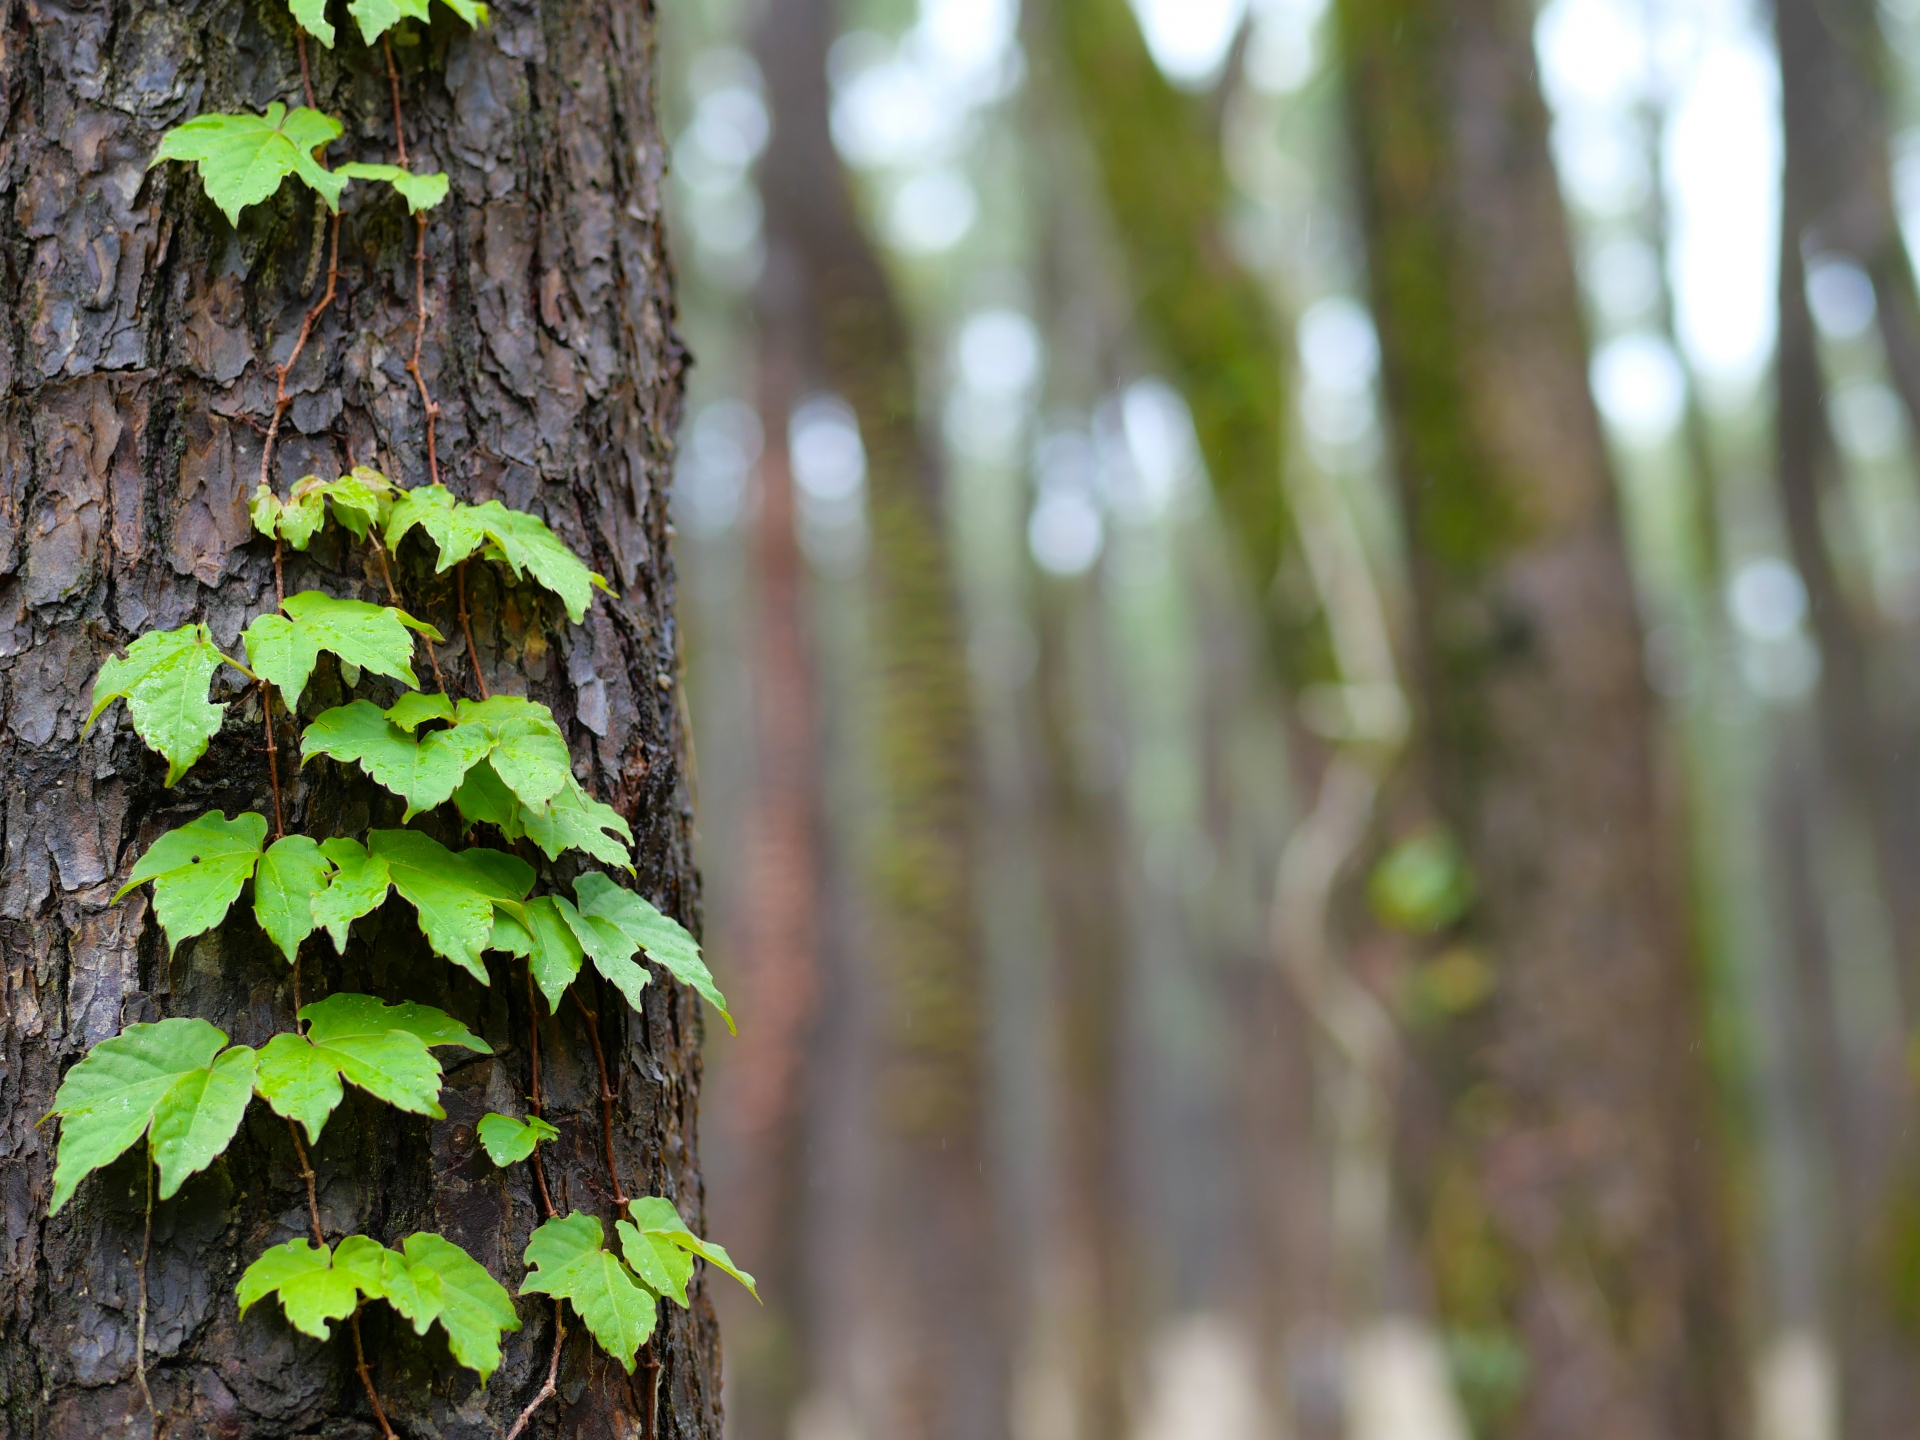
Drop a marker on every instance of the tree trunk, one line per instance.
(138, 376)
(933, 1335)
(1569, 1197)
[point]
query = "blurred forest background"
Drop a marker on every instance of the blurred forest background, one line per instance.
(1301, 626)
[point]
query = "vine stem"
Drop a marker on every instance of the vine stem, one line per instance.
(140, 1326)
(393, 598)
(466, 626)
(652, 1363)
(606, 1098)
(548, 1390)
(366, 1379)
(431, 410)
(273, 757)
(533, 1099)
(280, 397)
(306, 75)
(306, 1174)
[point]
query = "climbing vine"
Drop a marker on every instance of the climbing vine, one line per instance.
(500, 763)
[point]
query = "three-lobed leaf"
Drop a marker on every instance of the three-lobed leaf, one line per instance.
(244, 158)
(453, 892)
(357, 886)
(283, 648)
(164, 678)
(657, 1221)
(568, 1260)
(311, 15)
(508, 1141)
(429, 1278)
(171, 1081)
(289, 877)
(376, 17)
(522, 542)
(360, 500)
(198, 870)
(424, 772)
(665, 940)
(421, 192)
(383, 1049)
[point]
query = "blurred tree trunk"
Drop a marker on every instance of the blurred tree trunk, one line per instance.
(1569, 1193)
(134, 380)
(934, 1296)
(1836, 200)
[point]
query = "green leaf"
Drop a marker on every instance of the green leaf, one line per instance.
(295, 521)
(376, 17)
(284, 648)
(508, 1140)
(471, 1306)
(311, 1288)
(452, 892)
(311, 16)
(197, 872)
(381, 1048)
(665, 940)
(484, 799)
(527, 750)
(570, 1262)
(610, 949)
(164, 678)
(421, 192)
(574, 820)
(662, 1266)
(358, 885)
(243, 158)
(520, 541)
(170, 1081)
(656, 1217)
(289, 877)
(423, 772)
(554, 951)
(416, 707)
(528, 547)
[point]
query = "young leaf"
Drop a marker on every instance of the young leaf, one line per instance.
(164, 678)
(656, 1218)
(243, 158)
(526, 749)
(197, 871)
(570, 1262)
(286, 882)
(508, 1140)
(421, 192)
(381, 1048)
(312, 1289)
(662, 1266)
(284, 648)
(452, 892)
(520, 541)
(423, 772)
(376, 17)
(417, 707)
(170, 1081)
(455, 1289)
(360, 500)
(295, 521)
(554, 951)
(358, 885)
(664, 939)
(574, 820)
(527, 546)
(610, 949)
(311, 16)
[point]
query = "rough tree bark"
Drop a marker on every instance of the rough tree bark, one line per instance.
(135, 377)
(933, 1342)
(1563, 1166)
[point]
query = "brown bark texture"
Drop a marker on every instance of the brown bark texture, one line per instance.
(1560, 1141)
(136, 377)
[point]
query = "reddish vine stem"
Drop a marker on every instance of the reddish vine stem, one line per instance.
(431, 410)
(606, 1099)
(273, 757)
(548, 1390)
(533, 1099)
(306, 75)
(366, 1379)
(653, 1394)
(280, 397)
(140, 1330)
(466, 626)
(306, 1174)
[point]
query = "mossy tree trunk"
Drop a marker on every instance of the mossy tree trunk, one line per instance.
(1564, 1169)
(136, 374)
(932, 1336)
